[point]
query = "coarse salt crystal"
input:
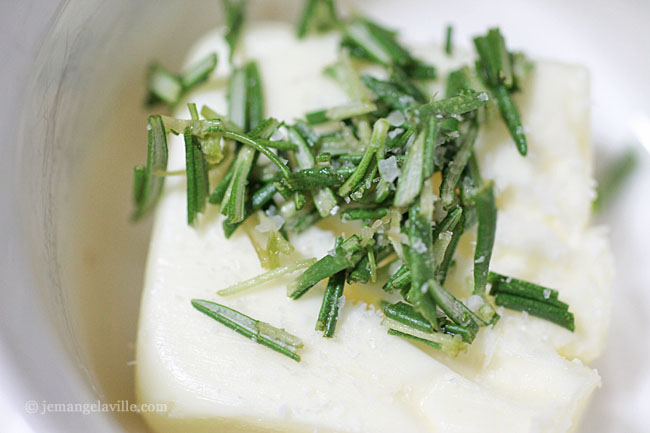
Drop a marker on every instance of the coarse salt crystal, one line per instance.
(388, 169)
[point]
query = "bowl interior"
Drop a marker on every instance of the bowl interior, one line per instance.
(83, 130)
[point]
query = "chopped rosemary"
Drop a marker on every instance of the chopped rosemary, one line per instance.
(537, 300)
(339, 113)
(486, 211)
(410, 181)
(544, 310)
(363, 214)
(388, 93)
(455, 168)
(165, 87)
(198, 187)
(496, 70)
(407, 315)
(449, 34)
(258, 331)
(345, 256)
(614, 177)
(265, 277)
(376, 142)
(395, 161)
(234, 11)
(329, 310)
(147, 184)
(318, 15)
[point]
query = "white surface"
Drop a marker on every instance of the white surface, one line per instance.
(211, 375)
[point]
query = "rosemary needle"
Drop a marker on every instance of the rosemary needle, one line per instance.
(260, 332)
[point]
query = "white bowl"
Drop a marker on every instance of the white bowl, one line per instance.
(72, 262)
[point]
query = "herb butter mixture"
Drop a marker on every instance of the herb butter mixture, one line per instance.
(397, 160)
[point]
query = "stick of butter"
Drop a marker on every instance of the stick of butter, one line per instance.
(522, 375)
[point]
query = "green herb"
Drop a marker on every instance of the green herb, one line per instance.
(344, 72)
(414, 338)
(329, 310)
(310, 178)
(456, 232)
(537, 300)
(324, 198)
(265, 277)
(449, 33)
(339, 113)
(386, 150)
(254, 144)
(453, 308)
(198, 187)
(504, 284)
(363, 213)
(238, 98)
(421, 71)
(399, 280)
(256, 202)
(318, 15)
(457, 165)
(388, 93)
(449, 344)
(366, 269)
(147, 184)
(377, 141)
(376, 43)
(404, 82)
(220, 191)
(165, 87)
(455, 105)
(199, 72)
(234, 11)
(406, 314)
(409, 184)
(420, 263)
(496, 69)
(486, 211)
(431, 132)
(258, 331)
(539, 309)
(344, 257)
(614, 177)
(234, 208)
